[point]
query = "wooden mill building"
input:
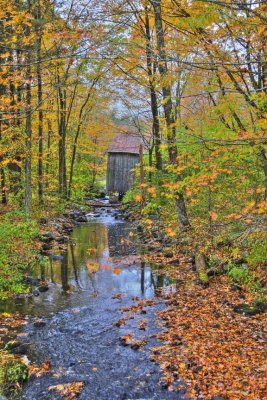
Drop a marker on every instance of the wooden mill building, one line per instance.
(123, 155)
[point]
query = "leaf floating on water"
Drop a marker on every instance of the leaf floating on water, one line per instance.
(47, 365)
(128, 340)
(68, 391)
(117, 271)
(92, 267)
(39, 371)
(117, 296)
(142, 325)
(121, 321)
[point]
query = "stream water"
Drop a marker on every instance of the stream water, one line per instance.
(77, 334)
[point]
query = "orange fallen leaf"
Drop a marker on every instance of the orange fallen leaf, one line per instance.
(46, 365)
(117, 271)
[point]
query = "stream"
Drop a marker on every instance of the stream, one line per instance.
(88, 285)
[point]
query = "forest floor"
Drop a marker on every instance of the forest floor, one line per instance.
(218, 352)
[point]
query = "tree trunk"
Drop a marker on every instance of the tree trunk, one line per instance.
(264, 160)
(62, 141)
(80, 122)
(153, 96)
(49, 133)
(28, 160)
(40, 105)
(168, 109)
(142, 177)
(2, 173)
(263, 149)
(201, 268)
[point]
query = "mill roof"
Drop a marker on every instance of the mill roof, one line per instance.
(125, 143)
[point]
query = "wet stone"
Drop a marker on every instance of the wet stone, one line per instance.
(61, 239)
(47, 246)
(235, 288)
(47, 237)
(39, 323)
(32, 281)
(56, 257)
(43, 288)
(248, 309)
(21, 350)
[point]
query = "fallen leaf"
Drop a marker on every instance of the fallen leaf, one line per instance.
(117, 296)
(117, 271)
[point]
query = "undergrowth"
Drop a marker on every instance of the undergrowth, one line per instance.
(17, 252)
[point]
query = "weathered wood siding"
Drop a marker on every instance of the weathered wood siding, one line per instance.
(120, 171)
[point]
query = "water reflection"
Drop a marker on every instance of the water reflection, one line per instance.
(94, 264)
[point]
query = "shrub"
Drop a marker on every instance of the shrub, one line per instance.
(241, 274)
(13, 372)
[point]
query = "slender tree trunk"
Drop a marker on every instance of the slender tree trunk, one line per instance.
(64, 133)
(153, 96)
(73, 157)
(150, 161)
(78, 131)
(62, 140)
(264, 53)
(142, 176)
(3, 186)
(15, 98)
(28, 161)
(168, 109)
(40, 105)
(166, 88)
(2, 173)
(49, 133)
(263, 82)
(264, 162)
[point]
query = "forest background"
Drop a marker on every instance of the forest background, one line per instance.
(189, 77)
